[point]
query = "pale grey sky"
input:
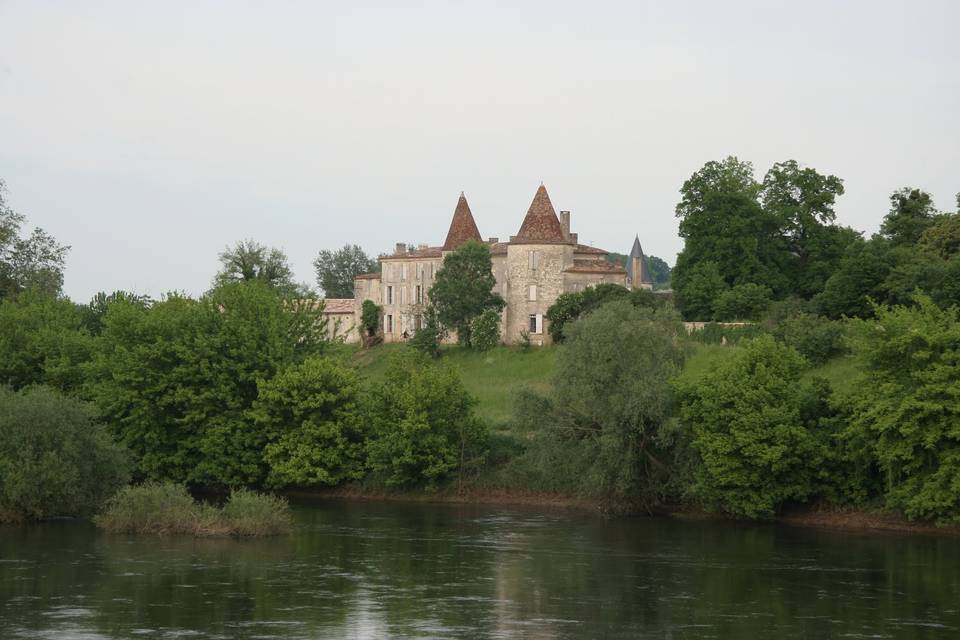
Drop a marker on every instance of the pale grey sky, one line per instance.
(150, 135)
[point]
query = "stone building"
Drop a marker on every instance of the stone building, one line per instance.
(543, 260)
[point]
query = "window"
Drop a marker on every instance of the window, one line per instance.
(417, 322)
(419, 271)
(533, 323)
(403, 295)
(533, 259)
(419, 294)
(389, 324)
(389, 294)
(403, 271)
(532, 293)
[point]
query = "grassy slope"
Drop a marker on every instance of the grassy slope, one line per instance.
(493, 377)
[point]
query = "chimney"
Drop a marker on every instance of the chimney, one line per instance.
(573, 238)
(401, 247)
(565, 224)
(422, 246)
(493, 240)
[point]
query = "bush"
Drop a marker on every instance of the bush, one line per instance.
(716, 333)
(743, 302)
(54, 459)
(167, 508)
(758, 444)
(818, 339)
(427, 339)
(308, 415)
(421, 424)
(485, 333)
(369, 319)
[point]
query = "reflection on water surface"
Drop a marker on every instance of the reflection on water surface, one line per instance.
(376, 570)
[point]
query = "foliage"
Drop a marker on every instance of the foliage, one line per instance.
(758, 446)
(659, 269)
(718, 333)
(911, 213)
(485, 332)
(858, 280)
(307, 414)
(816, 338)
(96, 309)
(746, 301)
(908, 408)
(370, 318)
(32, 262)
(463, 288)
(697, 290)
(250, 261)
(572, 305)
(431, 333)
(177, 380)
(336, 270)
(166, 508)
(43, 340)
(420, 423)
(942, 238)
(610, 403)
(54, 459)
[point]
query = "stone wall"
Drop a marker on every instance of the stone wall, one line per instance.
(548, 278)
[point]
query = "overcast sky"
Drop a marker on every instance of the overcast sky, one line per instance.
(150, 135)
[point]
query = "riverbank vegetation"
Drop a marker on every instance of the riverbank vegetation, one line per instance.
(243, 387)
(167, 508)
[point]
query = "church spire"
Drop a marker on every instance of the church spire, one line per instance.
(462, 227)
(637, 269)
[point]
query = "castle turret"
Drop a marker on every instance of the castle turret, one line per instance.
(462, 227)
(638, 273)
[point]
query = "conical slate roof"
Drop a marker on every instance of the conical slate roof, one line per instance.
(637, 252)
(462, 227)
(541, 223)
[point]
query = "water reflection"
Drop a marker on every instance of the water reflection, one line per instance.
(371, 570)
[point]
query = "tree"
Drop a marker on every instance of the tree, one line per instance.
(659, 271)
(337, 269)
(370, 318)
(722, 221)
(572, 305)
(463, 288)
(44, 340)
(55, 459)
(485, 331)
(942, 238)
(250, 261)
(742, 302)
(697, 290)
(911, 213)
(858, 280)
(758, 446)
(908, 408)
(430, 335)
(421, 424)
(308, 416)
(176, 380)
(33, 262)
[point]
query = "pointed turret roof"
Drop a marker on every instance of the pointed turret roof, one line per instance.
(637, 252)
(541, 223)
(462, 227)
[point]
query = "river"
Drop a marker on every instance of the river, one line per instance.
(410, 570)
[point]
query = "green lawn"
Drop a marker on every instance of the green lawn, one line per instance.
(492, 377)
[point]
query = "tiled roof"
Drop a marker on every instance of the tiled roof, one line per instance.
(497, 248)
(541, 223)
(338, 305)
(594, 266)
(368, 276)
(462, 227)
(583, 248)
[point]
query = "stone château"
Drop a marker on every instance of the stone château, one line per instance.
(543, 260)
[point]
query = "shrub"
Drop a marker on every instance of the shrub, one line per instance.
(167, 508)
(427, 339)
(742, 302)
(308, 415)
(369, 318)
(757, 444)
(421, 423)
(818, 339)
(54, 459)
(717, 333)
(485, 333)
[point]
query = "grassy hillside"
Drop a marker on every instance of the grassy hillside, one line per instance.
(494, 377)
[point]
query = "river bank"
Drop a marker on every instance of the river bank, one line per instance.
(815, 515)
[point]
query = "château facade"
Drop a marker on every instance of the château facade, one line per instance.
(532, 268)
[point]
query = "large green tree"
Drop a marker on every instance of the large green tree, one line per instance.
(463, 288)
(911, 212)
(251, 261)
(337, 269)
(27, 262)
(177, 380)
